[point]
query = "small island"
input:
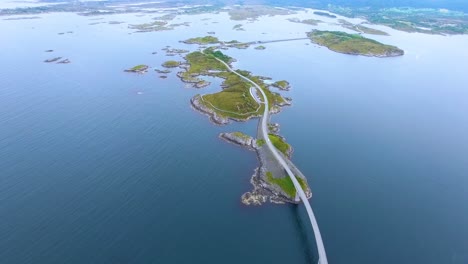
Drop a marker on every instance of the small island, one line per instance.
(138, 69)
(52, 60)
(312, 22)
(260, 47)
(202, 40)
(361, 29)
(282, 85)
(324, 14)
(171, 64)
(353, 44)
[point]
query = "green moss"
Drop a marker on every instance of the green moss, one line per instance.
(234, 100)
(279, 143)
(217, 54)
(286, 184)
(171, 64)
(202, 40)
(139, 67)
(241, 135)
(261, 142)
(352, 44)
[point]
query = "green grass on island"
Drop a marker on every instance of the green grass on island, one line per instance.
(139, 68)
(202, 40)
(353, 44)
(171, 64)
(286, 184)
(234, 100)
(283, 85)
(260, 142)
(241, 135)
(280, 144)
(312, 22)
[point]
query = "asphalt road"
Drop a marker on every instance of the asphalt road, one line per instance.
(280, 159)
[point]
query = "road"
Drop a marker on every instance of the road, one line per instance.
(318, 237)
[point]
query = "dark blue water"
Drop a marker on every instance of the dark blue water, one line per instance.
(101, 166)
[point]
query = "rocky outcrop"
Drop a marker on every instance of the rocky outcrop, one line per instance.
(52, 60)
(239, 138)
(263, 191)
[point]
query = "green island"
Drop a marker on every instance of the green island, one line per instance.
(286, 184)
(280, 144)
(138, 69)
(324, 14)
(312, 22)
(361, 29)
(234, 100)
(171, 64)
(202, 40)
(260, 47)
(353, 44)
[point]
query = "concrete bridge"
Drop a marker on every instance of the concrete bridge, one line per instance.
(264, 121)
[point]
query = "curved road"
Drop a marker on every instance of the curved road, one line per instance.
(280, 159)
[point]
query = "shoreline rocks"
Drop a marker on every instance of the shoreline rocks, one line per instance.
(214, 117)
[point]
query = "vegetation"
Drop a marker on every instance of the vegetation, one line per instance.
(238, 27)
(260, 47)
(286, 184)
(154, 26)
(324, 14)
(218, 54)
(260, 142)
(139, 68)
(202, 40)
(354, 44)
(280, 144)
(171, 64)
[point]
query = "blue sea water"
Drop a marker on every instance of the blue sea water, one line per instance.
(102, 166)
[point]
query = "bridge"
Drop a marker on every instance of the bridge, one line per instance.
(224, 44)
(264, 121)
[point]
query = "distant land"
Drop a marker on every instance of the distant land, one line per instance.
(353, 44)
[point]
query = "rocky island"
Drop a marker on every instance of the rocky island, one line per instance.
(268, 187)
(138, 69)
(353, 44)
